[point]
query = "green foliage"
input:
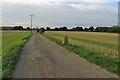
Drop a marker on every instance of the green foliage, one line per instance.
(48, 28)
(28, 28)
(54, 39)
(18, 28)
(37, 30)
(12, 46)
(91, 29)
(42, 30)
(114, 29)
(107, 62)
(86, 29)
(77, 29)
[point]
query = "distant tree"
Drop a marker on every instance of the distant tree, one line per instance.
(91, 28)
(48, 29)
(78, 29)
(34, 28)
(56, 29)
(102, 29)
(61, 29)
(86, 29)
(81, 28)
(37, 30)
(73, 29)
(28, 28)
(119, 29)
(64, 29)
(115, 29)
(105, 29)
(18, 28)
(98, 29)
(42, 30)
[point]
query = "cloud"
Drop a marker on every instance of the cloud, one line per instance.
(58, 14)
(95, 6)
(86, 7)
(38, 2)
(27, 1)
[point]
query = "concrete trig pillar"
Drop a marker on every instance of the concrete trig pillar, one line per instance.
(66, 40)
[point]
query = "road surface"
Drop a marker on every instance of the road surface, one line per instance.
(42, 58)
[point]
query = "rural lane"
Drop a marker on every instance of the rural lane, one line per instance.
(42, 58)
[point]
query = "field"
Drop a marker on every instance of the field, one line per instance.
(12, 43)
(98, 48)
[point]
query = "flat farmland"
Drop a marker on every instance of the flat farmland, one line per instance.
(98, 48)
(12, 43)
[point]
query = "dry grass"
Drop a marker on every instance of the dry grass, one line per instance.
(108, 38)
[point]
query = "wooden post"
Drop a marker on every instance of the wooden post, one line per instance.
(66, 40)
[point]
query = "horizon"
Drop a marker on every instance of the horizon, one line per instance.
(24, 27)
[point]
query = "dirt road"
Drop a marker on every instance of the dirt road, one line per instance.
(42, 58)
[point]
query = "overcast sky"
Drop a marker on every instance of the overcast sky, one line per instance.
(59, 12)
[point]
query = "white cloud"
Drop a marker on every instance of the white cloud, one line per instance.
(29, 1)
(56, 14)
(93, 0)
(47, 1)
(89, 0)
(86, 7)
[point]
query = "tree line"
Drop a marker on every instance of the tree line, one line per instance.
(16, 28)
(21, 28)
(114, 29)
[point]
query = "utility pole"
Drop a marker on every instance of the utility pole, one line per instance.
(31, 21)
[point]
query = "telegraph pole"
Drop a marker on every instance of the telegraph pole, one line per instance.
(31, 21)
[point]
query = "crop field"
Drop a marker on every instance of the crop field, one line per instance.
(98, 48)
(12, 43)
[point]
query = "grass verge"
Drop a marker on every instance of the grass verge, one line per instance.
(96, 57)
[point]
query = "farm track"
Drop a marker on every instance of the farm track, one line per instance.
(42, 58)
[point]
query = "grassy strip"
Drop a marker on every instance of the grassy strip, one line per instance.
(104, 61)
(58, 41)
(109, 46)
(10, 59)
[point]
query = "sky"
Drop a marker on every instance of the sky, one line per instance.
(57, 13)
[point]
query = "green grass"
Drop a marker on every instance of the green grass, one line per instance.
(96, 57)
(58, 41)
(12, 43)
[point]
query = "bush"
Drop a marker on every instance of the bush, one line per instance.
(42, 30)
(37, 30)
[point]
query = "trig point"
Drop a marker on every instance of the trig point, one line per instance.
(66, 40)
